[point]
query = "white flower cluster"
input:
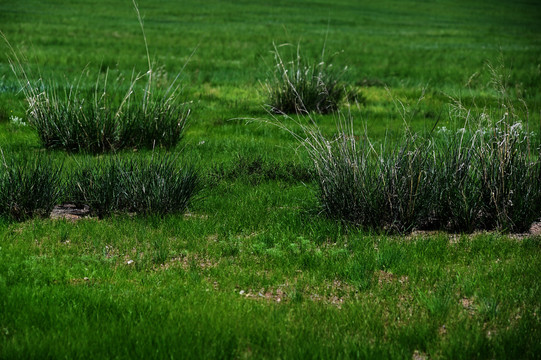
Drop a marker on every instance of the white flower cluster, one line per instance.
(17, 120)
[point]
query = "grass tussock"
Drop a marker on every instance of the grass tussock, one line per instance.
(141, 113)
(299, 87)
(484, 176)
(76, 119)
(134, 185)
(28, 187)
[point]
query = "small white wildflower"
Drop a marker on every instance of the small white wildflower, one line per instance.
(442, 130)
(17, 120)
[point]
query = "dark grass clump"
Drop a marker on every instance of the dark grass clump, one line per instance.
(98, 121)
(133, 185)
(141, 113)
(29, 187)
(485, 176)
(300, 88)
(459, 183)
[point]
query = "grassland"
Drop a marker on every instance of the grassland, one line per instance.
(253, 269)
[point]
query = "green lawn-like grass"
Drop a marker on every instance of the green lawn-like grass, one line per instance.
(253, 269)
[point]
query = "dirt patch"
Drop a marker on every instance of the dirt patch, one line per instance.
(190, 215)
(385, 277)
(79, 281)
(334, 293)
(442, 330)
(419, 355)
(468, 305)
(535, 229)
(187, 262)
(70, 212)
(276, 295)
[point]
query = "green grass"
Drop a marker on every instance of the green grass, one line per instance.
(69, 289)
(156, 185)
(198, 295)
(29, 187)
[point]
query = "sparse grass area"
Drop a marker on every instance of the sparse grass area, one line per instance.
(253, 269)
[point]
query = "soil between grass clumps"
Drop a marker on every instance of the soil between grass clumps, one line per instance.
(70, 211)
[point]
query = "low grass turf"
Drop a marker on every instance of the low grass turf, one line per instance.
(253, 269)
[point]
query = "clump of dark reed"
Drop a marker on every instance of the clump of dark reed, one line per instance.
(29, 187)
(485, 176)
(75, 119)
(495, 164)
(299, 87)
(127, 184)
(92, 115)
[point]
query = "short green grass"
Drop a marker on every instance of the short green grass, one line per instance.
(253, 269)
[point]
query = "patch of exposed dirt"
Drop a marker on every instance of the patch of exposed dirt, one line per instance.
(190, 215)
(535, 229)
(334, 293)
(70, 212)
(276, 295)
(213, 237)
(468, 305)
(419, 355)
(186, 262)
(385, 277)
(442, 330)
(78, 281)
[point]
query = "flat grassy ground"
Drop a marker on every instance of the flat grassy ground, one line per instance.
(254, 270)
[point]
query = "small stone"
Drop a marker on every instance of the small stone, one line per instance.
(85, 278)
(241, 292)
(129, 262)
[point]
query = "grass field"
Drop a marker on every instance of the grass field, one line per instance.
(254, 269)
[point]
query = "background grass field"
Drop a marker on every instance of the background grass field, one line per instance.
(253, 269)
